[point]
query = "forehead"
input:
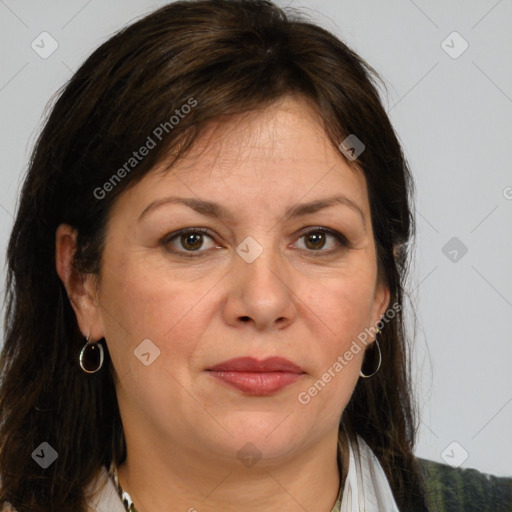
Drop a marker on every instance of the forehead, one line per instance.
(277, 154)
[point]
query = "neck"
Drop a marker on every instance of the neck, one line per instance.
(159, 479)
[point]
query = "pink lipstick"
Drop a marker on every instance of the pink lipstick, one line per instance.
(255, 377)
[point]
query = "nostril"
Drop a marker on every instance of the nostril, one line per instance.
(245, 318)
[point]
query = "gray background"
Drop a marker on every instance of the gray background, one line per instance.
(453, 116)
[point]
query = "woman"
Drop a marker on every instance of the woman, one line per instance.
(205, 279)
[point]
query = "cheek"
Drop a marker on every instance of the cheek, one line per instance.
(147, 305)
(341, 309)
(141, 304)
(343, 305)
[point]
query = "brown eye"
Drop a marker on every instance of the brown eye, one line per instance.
(191, 241)
(188, 241)
(315, 240)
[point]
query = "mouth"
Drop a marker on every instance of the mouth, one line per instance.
(255, 377)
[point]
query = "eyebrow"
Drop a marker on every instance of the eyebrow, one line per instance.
(216, 210)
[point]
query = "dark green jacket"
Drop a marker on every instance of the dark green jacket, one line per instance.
(465, 490)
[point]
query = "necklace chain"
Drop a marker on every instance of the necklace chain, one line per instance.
(125, 497)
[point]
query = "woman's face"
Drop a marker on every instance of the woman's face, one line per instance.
(253, 284)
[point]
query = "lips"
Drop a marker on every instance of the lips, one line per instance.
(255, 377)
(249, 364)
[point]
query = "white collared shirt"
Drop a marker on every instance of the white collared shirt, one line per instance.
(366, 486)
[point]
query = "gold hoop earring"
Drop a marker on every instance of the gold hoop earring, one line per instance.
(380, 359)
(91, 357)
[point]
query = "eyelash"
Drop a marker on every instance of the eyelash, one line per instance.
(340, 238)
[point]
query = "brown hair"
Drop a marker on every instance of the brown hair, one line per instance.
(229, 57)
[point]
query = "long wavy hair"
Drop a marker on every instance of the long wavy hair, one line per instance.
(229, 56)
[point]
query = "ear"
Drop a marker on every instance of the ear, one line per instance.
(380, 302)
(81, 288)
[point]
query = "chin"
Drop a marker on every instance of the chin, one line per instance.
(270, 436)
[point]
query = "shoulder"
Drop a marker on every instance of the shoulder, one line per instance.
(448, 487)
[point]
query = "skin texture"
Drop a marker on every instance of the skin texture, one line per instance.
(183, 428)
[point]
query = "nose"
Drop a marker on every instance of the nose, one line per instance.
(260, 293)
